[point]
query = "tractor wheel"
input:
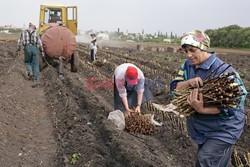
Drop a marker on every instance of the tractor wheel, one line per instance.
(75, 62)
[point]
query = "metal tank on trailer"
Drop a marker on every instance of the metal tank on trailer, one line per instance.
(58, 27)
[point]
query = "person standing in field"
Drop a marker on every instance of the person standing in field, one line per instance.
(214, 129)
(130, 89)
(31, 42)
(93, 47)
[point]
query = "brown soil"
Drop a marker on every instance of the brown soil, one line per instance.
(44, 125)
(26, 131)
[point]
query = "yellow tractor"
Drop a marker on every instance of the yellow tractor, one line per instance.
(66, 16)
(58, 27)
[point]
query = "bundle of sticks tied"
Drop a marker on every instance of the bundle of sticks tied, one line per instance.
(220, 91)
(139, 123)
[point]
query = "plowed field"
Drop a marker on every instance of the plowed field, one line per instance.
(44, 124)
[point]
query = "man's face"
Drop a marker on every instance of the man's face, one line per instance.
(195, 55)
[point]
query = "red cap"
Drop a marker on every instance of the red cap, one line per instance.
(131, 75)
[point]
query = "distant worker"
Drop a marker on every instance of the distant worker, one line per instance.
(31, 41)
(130, 89)
(93, 47)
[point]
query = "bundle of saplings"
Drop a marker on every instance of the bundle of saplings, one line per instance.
(139, 123)
(220, 91)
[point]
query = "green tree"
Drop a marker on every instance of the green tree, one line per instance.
(171, 36)
(232, 36)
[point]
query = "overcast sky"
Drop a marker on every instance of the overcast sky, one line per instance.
(177, 16)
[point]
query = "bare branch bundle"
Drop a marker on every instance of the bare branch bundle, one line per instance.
(139, 123)
(240, 159)
(247, 159)
(237, 159)
(221, 91)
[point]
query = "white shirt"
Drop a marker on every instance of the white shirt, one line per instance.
(120, 73)
(92, 45)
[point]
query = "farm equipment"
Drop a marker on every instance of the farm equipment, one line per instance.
(58, 27)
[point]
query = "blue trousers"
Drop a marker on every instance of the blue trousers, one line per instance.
(31, 60)
(214, 153)
(132, 98)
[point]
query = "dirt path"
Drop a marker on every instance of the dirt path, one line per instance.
(26, 130)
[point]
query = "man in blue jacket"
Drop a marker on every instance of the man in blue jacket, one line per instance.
(215, 130)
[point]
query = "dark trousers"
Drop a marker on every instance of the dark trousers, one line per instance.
(132, 98)
(214, 153)
(92, 55)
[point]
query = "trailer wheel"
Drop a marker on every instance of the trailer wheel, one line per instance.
(75, 62)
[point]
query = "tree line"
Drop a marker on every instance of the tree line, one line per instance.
(232, 36)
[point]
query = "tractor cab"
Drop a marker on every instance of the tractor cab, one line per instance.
(62, 15)
(53, 16)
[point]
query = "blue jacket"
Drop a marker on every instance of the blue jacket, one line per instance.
(226, 126)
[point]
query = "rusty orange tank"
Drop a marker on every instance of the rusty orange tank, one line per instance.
(59, 41)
